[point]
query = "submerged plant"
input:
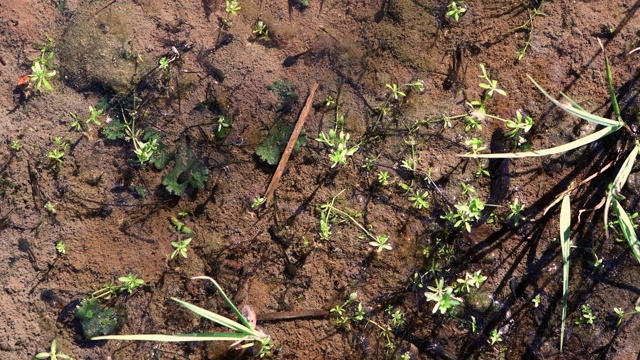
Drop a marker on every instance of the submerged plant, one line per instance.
(243, 332)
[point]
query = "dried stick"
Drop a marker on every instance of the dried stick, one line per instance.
(102, 8)
(268, 195)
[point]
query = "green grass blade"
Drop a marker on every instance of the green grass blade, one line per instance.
(565, 244)
(226, 299)
(612, 92)
(619, 182)
(551, 151)
(218, 319)
(627, 229)
(178, 337)
(579, 112)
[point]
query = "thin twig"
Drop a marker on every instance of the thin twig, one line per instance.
(268, 195)
(102, 8)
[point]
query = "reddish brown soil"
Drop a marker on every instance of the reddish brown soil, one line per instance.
(110, 232)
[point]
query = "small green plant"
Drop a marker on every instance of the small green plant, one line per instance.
(494, 337)
(232, 7)
(257, 202)
(466, 213)
(61, 248)
(40, 74)
(470, 280)
(130, 282)
(536, 300)
(338, 143)
(395, 94)
(53, 354)
(328, 212)
(419, 200)
(93, 116)
(621, 315)
(383, 178)
(340, 310)
(442, 296)
(56, 155)
(222, 126)
(76, 124)
(456, 10)
(586, 317)
(50, 207)
(261, 31)
(243, 332)
(16, 144)
(181, 247)
(164, 63)
(515, 214)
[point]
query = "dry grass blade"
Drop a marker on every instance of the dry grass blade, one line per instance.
(565, 244)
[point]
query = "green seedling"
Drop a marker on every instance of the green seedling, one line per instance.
(456, 10)
(243, 332)
(16, 144)
(50, 207)
(61, 248)
(340, 310)
(565, 244)
(328, 212)
(76, 124)
(515, 214)
(536, 300)
(470, 280)
(164, 63)
(55, 159)
(395, 94)
(419, 200)
(130, 283)
(442, 296)
(494, 337)
(338, 143)
(261, 31)
(586, 317)
(53, 354)
(528, 26)
(466, 213)
(40, 74)
(232, 7)
(93, 116)
(257, 202)
(383, 178)
(222, 126)
(181, 248)
(622, 315)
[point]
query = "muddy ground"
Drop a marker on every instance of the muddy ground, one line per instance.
(114, 216)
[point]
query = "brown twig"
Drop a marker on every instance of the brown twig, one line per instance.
(268, 195)
(102, 8)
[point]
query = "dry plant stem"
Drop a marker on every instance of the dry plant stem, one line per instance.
(268, 195)
(102, 8)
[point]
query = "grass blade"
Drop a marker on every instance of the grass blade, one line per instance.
(612, 92)
(627, 229)
(565, 245)
(226, 299)
(551, 151)
(577, 111)
(619, 182)
(178, 337)
(218, 319)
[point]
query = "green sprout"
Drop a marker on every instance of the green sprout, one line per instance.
(51, 207)
(456, 11)
(232, 7)
(622, 315)
(130, 282)
(516, 212)
(16, 144)
(61, 248)
(40, 74)
(257, 202)
(495, 337)
(76, 124)
(338, 143)
(442, 296)
(55, 157)
(181, 248)
(536, 300)
(260, 30)
(164, 63)
(53, 354)
(380, 243)
(586, 317)
(383, 178)
(93, 116)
